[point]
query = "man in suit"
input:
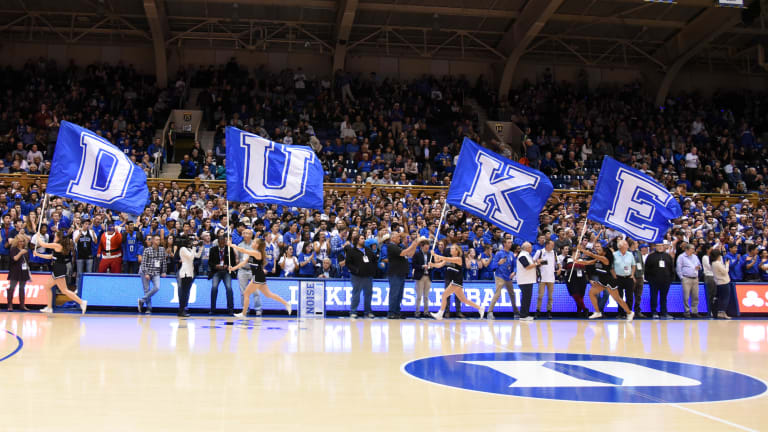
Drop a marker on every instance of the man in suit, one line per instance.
(361, 262)
(421, 275)
(659, 271)
(219, 261)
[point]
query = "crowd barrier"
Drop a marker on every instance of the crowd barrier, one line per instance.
(122, 290)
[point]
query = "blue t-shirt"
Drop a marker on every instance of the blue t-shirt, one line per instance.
(734, 267)
(504, 270)
(307, 269)
(473, 272)
(131, 244)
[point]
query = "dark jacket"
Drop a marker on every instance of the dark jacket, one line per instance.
(419, 259)
(213, 259)
(357, 265)
(655, 273)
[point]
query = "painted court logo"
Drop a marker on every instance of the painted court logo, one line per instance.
(586, 378)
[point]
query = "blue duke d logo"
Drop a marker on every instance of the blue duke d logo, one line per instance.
(104, 172)
(586, 378)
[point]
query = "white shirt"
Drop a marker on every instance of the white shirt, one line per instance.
(547, 270)
(346, 130)
(290, 264)
(706, 267)
(187, 263)
(244, 257)
(691, 160)
(697, 127)
(525, 276)
(298, 79)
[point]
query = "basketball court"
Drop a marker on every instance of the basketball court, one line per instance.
(123, 372)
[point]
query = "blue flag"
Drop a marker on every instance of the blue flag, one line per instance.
(632, 203)
(87, 168)
(503, 192)
(262, 171)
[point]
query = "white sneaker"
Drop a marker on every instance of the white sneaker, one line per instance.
(46, 310)
(595, 315)
(289, 308)
(527, 319)
(482, 311)
(630, 316)
(490, 316)
(84, 306)
(239, 315)
(438, 316)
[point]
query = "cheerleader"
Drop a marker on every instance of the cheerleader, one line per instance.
(62, 248)
(454, 280)
(606, 280)
(259, 281)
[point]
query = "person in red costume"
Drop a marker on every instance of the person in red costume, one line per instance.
(110, 250)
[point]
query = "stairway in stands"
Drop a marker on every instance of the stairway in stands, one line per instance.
(482, 116)
(173, 169)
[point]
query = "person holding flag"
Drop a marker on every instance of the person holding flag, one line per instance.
(62, 248)
(507, 194)
(259, 282)
(604, 268)
(90, 169)
(262, 171)
(454, 280)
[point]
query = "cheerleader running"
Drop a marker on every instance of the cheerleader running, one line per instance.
(259, 281)
(62, 248)
(606, 280)
(454, 280)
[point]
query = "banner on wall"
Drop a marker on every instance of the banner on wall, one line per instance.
(123, 290)
(752, 297)
(34, 293)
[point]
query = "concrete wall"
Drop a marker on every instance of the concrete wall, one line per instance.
(141, 56)
(407, 68)
(17, 53)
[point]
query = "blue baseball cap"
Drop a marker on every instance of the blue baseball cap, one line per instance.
(371, 241)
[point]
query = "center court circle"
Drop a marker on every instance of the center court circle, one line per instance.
(586, 378)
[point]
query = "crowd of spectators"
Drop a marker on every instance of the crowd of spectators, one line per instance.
(705, 144)
(115, 101)
(382, 132)
(365, 128)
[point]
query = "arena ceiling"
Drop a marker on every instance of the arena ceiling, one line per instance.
(620, 33)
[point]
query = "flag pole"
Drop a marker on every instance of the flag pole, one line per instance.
(42, 213)
(581, 237)
(40, 219)
(437, 230)
(229, 239)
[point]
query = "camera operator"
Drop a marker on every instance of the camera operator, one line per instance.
(188, 250)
